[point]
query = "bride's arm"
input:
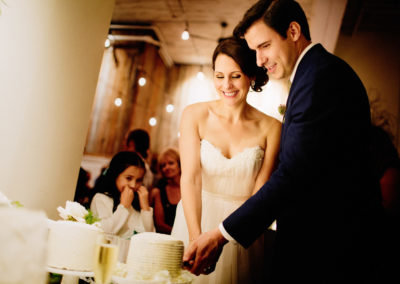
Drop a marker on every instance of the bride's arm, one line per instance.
(189, 148)
(270, 161)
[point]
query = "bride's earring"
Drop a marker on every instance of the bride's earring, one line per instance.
(252, 83)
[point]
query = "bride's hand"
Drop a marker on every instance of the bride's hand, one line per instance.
(203, 252)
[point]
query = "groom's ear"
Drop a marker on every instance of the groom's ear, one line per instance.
(294, 31)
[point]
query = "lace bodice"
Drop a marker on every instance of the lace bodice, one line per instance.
(232, 178)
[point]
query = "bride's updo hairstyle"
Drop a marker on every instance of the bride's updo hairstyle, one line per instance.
(238, 50)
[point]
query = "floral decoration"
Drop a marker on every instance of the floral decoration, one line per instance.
(74, 211)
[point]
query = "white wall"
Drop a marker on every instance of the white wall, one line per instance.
(50, 55)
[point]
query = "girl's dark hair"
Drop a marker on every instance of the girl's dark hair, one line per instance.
(277, 14)
(238, 50)
(106, 183)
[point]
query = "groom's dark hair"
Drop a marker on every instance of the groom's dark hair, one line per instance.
(277, 14)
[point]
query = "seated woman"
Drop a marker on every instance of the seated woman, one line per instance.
(121, 202)
(167, 192)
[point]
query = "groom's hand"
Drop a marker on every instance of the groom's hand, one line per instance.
(203, 253)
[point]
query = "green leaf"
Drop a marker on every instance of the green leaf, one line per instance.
(16, 203)
(90, 218)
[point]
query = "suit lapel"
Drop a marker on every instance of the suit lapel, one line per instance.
(298, 79)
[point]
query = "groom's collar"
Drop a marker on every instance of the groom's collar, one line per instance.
(298, 61)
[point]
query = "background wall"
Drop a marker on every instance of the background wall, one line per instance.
(375, 58)
(50, 56)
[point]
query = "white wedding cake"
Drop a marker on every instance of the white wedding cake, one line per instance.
(71, 242)
(150, 253)
(71, 245)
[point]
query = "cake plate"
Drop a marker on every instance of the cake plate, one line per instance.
(72, 276)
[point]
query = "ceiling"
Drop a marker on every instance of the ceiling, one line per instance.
(161, 22)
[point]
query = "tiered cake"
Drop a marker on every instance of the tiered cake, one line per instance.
(71, 245)
(150, 253)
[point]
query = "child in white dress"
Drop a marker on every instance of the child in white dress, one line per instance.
(121, 201)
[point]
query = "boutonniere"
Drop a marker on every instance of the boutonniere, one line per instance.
(282, 109)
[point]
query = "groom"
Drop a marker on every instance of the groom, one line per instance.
(327, 208)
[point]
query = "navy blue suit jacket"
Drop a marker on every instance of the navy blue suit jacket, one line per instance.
(321, 194)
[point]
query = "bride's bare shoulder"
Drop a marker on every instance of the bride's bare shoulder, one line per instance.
(265, 122)
(262, 117)
(197, 110)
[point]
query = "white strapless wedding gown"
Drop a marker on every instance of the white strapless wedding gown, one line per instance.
(227, 183)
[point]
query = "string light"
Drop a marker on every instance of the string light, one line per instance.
(152, 121)
(200, 75)
(170, 108)
(107, 43)
(142, 81)
(185, 35)
(118, 102)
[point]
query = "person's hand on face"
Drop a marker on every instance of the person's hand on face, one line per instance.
(143, 197)
(127, 196)
(129, 181)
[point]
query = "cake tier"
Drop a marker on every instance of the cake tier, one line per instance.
(71, 245)
(150, 253)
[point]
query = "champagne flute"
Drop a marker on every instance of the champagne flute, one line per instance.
(105, 257)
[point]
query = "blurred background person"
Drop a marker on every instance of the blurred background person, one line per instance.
(167, 192)
(138, 141)
(83, 192)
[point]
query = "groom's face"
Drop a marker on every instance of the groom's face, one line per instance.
(274, 52)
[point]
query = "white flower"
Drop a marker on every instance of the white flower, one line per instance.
(73, 211)
(4, 201)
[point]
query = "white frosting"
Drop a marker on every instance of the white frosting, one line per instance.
(71, 245)
(23, 236)
(150, 253)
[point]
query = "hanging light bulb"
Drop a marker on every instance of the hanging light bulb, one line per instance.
(152, 121)
(118, 102)
(170, 108)
(185, 35)
(107, 43)
(142, 81)
(200, 74)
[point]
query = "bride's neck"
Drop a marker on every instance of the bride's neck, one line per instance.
(233, 114)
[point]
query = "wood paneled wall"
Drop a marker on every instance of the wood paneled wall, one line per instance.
(121, 69)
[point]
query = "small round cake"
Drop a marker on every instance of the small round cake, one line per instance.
(150, 253)
(71, 245)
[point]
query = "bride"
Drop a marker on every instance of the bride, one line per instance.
(228, 151)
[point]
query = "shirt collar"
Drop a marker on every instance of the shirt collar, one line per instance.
(299, 59)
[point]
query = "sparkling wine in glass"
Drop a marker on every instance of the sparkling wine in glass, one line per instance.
(105, 257)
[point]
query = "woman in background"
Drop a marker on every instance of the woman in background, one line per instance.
(167, 192)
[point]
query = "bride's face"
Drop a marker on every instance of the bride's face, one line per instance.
(230, 82)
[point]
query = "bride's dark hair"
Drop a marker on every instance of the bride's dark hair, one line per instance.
(238, 50)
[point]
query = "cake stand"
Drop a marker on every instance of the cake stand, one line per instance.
(72, 276)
